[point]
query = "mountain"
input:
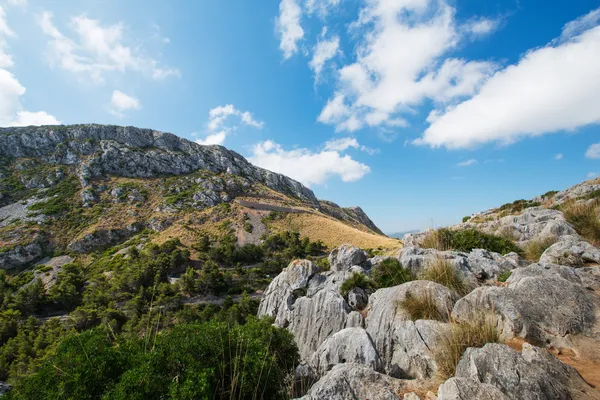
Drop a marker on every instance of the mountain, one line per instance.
(84, 188)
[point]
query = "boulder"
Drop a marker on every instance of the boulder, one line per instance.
(353, 381)
(355, 320)
(532, 374)
(350, 345)
(357, 298)
(543, 304)
(572, 251)
(390, 327)
(469, 389)
(346, 256)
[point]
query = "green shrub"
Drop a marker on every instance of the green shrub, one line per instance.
(248, 227)
(423, 307)
(468, 239)
(442, 272)
(356, 280)
(503, 276)
(466, 218)
(192, 361)
(391, 273)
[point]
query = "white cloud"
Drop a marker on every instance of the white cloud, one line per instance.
(308, 167)
(321, 7)
(288, 27)
(325, 50)
(97, 50)
(19, 3)
(559, 156)
(223, 120)
(401, 61)
(467, 163)
(481, 26)
(580, 25)
(346, 143)
(593, 151)
(551, 89)
(11, 90)
(591, 175)
(121, 102)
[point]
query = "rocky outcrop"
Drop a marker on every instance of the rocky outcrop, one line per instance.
(23, 254)
(353, 215)
(405, 346)
(103, 239)
(345, 257)
(532, 374)
(571, 250)
(100, 150)
(542, 304)
(353, 381)
(468, 389)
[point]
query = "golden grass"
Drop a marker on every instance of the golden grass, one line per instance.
(443, 272)
(434, 240)
(534, 249)
(423, 307)
(334, 233)
(451, 347)
(584, 218)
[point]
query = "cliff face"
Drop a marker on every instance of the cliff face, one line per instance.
(101, 150)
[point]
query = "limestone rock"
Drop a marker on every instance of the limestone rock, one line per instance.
(385, 316)
(357, 298)
(346, 256)
(533, 374)
(572, 251)
(353, 381)
(468, 389)
(350, 345)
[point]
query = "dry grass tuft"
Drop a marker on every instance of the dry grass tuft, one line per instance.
(534, 249)
(584, 218)
(475, 333)
(443, 272)
(435, 240)
(423, 307)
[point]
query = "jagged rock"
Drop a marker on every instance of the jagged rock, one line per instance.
(572, 251)
(353, 381)
(346, 256)
(387, 324)
(88, 197)
(103, 238)
(533, 374)
(357, 298)
(50, 277)
(469, 389)
(543, 304)
(4, 388)
(23, 254)
(355, 320)
(350, 345)
(101, 150)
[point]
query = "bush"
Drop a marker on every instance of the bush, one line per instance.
(534, 249)
(466, 218)
(391, 273)
(504, 276)
(475, 333)
(356, 280)
(192, 361)
(468, 239)
(422, 307)
(584, 218)
(442, 272)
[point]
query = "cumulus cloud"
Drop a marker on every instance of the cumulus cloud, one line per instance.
(593, 151)
(325, 50)
(551, 89)
(401, 61)
(11, 90)
(559, 156)
(481, 26)
(288, 27)
(97, 49)
(467, 163)
(321, 7)
(306, 166)
(121, 102)
(223, 120)
(346, 143)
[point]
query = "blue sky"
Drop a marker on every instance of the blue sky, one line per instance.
(419, 111)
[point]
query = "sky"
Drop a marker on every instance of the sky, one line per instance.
(419, 111)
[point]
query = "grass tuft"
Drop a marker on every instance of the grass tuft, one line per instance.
(356, 280)
(391, 273)
(584, 218)
(422, 307)
(475, 333)
(441, 271)
(468, 239)
(534, 249)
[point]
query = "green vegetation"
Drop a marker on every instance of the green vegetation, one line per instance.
(504, 276)
(475, 333)
(466, 218)
(60, 196)
(390, 272)
(357, 280)
(467, 240)
(423, 307)
(550, 194)
(442, 272)
(517, 206)
(191, 361)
